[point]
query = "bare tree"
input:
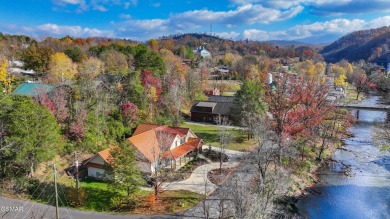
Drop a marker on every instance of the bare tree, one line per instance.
(225, 138)
(223, 198)
(158, 150)
(206, 204)
(267, 190)
(241, 196)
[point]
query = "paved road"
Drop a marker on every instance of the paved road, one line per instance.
(31, 210)
(219, 126)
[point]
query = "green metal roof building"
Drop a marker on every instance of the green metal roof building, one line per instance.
(33, 89)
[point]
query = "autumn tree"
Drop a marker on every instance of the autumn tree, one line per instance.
(228, 59)
(340, 80)
(61, 68)
(88, 70)
(5, 77)
(130, 113)
(153, 44)
(361, 81)
(153, 90)
(298, 105)
(167, 44)
(114, 62)
(37, 58)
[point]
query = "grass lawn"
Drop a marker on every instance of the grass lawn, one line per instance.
(351, 95)
(168, 202)
(209, 134)
(99, 194)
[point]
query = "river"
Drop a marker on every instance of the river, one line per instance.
(366, 192)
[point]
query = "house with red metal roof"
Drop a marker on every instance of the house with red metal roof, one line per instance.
(170, 147)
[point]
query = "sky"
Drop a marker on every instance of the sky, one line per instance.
(315, 21)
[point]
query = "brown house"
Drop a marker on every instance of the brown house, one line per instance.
(212, 109)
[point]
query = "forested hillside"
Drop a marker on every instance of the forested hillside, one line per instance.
(363, 44)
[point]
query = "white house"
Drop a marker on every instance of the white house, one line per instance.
(96, 165)
(170, 145)
(203, 52)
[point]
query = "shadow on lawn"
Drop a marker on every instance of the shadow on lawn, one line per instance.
(98, 195)
(99, 199)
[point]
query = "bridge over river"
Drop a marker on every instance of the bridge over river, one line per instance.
(365, 107)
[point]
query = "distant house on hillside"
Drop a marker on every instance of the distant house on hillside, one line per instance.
(212, 109)
(204, 53)
(166, 146)
(16, 67)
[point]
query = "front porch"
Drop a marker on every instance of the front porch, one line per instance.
(179, 162)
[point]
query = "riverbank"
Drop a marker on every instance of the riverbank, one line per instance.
(354, 184)
(305, 183)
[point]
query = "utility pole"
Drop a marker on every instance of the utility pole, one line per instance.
(56, 193)
(77, 176)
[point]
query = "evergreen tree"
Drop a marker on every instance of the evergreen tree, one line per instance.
(122, 170)
(30, 135)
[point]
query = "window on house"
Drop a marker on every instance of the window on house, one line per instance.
(98, 174)
(182, 140)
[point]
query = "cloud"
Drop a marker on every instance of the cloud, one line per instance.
(324, 7)
(333, 27)
(156, 5)
(125, 16)
(246, 14)
(228, 35)
(72, 2)
(96, 5)
(196, 20)
(55, 30)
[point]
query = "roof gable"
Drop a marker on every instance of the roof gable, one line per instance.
(152, 140)
(104, 154)
(144, 128)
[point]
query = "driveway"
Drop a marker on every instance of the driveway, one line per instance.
(198, 181)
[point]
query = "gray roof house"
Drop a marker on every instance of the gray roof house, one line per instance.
(210, 110)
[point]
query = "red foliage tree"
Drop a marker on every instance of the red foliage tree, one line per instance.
(77, 128)
(60, 102)
(129, 111)
(149, 81)
(298, 106)
(43, 99)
